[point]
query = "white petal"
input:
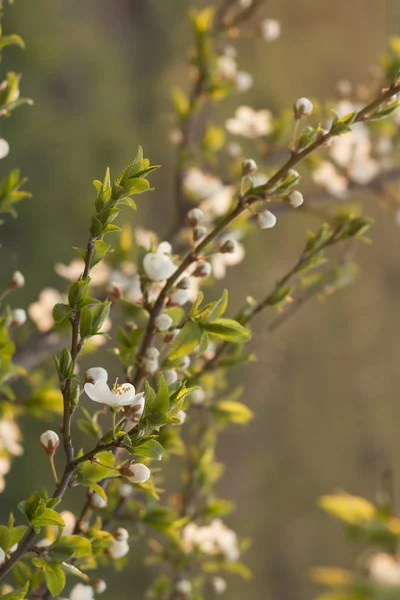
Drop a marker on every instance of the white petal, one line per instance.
(96, 373)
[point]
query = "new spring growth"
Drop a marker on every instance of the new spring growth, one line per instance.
(195, 216)
(17, 281)
(266, 219)
(50, 442)
(296, 199)
(249, 166)
(303, 107)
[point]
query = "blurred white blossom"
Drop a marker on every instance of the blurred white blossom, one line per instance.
(250, 123)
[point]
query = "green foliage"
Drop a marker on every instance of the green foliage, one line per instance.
(38, 510)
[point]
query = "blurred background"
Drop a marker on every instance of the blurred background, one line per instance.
(325, 389)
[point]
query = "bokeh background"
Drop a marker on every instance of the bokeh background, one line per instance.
(325, 389)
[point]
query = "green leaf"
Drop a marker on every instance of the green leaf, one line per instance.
(55, 578)
(228, 330)
(61, 312)
(92, 472)
(150, 449)
(186, 341)
(85, 322)
(11, 40)
(17, 594)
(161, 401)
(69, 546)
(236, 412)
(77, 292)
(48, 516)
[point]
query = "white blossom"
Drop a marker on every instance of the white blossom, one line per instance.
(2, 556)
(99, 274)
(303, 107)
(137, 473)
(219, 585)
(184, 586)
(158, 265)
(81, 592)
(195, 216)
(18, 317)
(296, 199)
(384, 569)
(270, 29)
(4, 148)
(99, 585)
(150, 361)
(97, 501)
(5, 466)
(17, 280)
(244, 81)
(213, 539)
(163, 322)
(121, 534)
(266, 219)
(41, 311)
(120, 395)
(203, 269)
(179, 296)
(185, 363)
(329, 178)
(197, 397)
(10, 437)
(50, 441)
(181, 415)
(171, 376)
(69, 520)
(215, 196)
(227, 67)
(221, 261)
(250, 123)
(125, 490)
(119, 549)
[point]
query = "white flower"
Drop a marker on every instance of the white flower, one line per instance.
(195, 216)
(179, 297)
(163, 322)
(119, 549)
(296, 199)
(70, 522)
(81, 592)
(250, 123)
(4, 148)
(211, 539)
(99, 274)
(120, 395)
(5, 466)
(197, 397)
(181, 415)
(99, 585)
(203, 269)
(303, 107)
(10, 436)
(159, 265)
(328, 177)
(384, 569)
(227, 67)
(353, 152)
(170, 376)
(137, 473)
(184, 586)
(95, 374)
(134, 291)
(17, 280)
(244, 81)
(270, 30)
(2, 556)
(219, 585)
(50, 441)
(18, 317)
(266, 219)
(41, 311)
(125, 490)
(216, 197)
(97, 501)
(121, 534)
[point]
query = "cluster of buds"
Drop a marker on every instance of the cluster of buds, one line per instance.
(195, 217)
(150, 361)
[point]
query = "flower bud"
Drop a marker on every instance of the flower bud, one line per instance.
(195, 216)
(97, 501)
(50, 441)
(125, 491)
(228, 247)
(303, 107)
(170, 376)
(244, 81)
(181, 415)
(158, 265)
(218, 585)
(163, 322)
(185, 363)
(2, 556)
(296, 199)
(184, 587)
(17, 280)
(249, 166)
(266, 219)
(270, 30)
(152, 353)
(197, 397)
(121, 534)
(172, 335)
(204, 269)
(199, 233)
(70, 522)
(137, 473)
(99, 585)
(115, 290)
(18, 317)
(119, 549)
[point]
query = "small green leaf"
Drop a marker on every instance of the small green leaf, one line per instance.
(228, 330)
(61, 312)
(55, 578)
(150, 449)
(186, 341)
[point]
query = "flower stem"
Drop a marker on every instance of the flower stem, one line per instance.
(53, 468)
